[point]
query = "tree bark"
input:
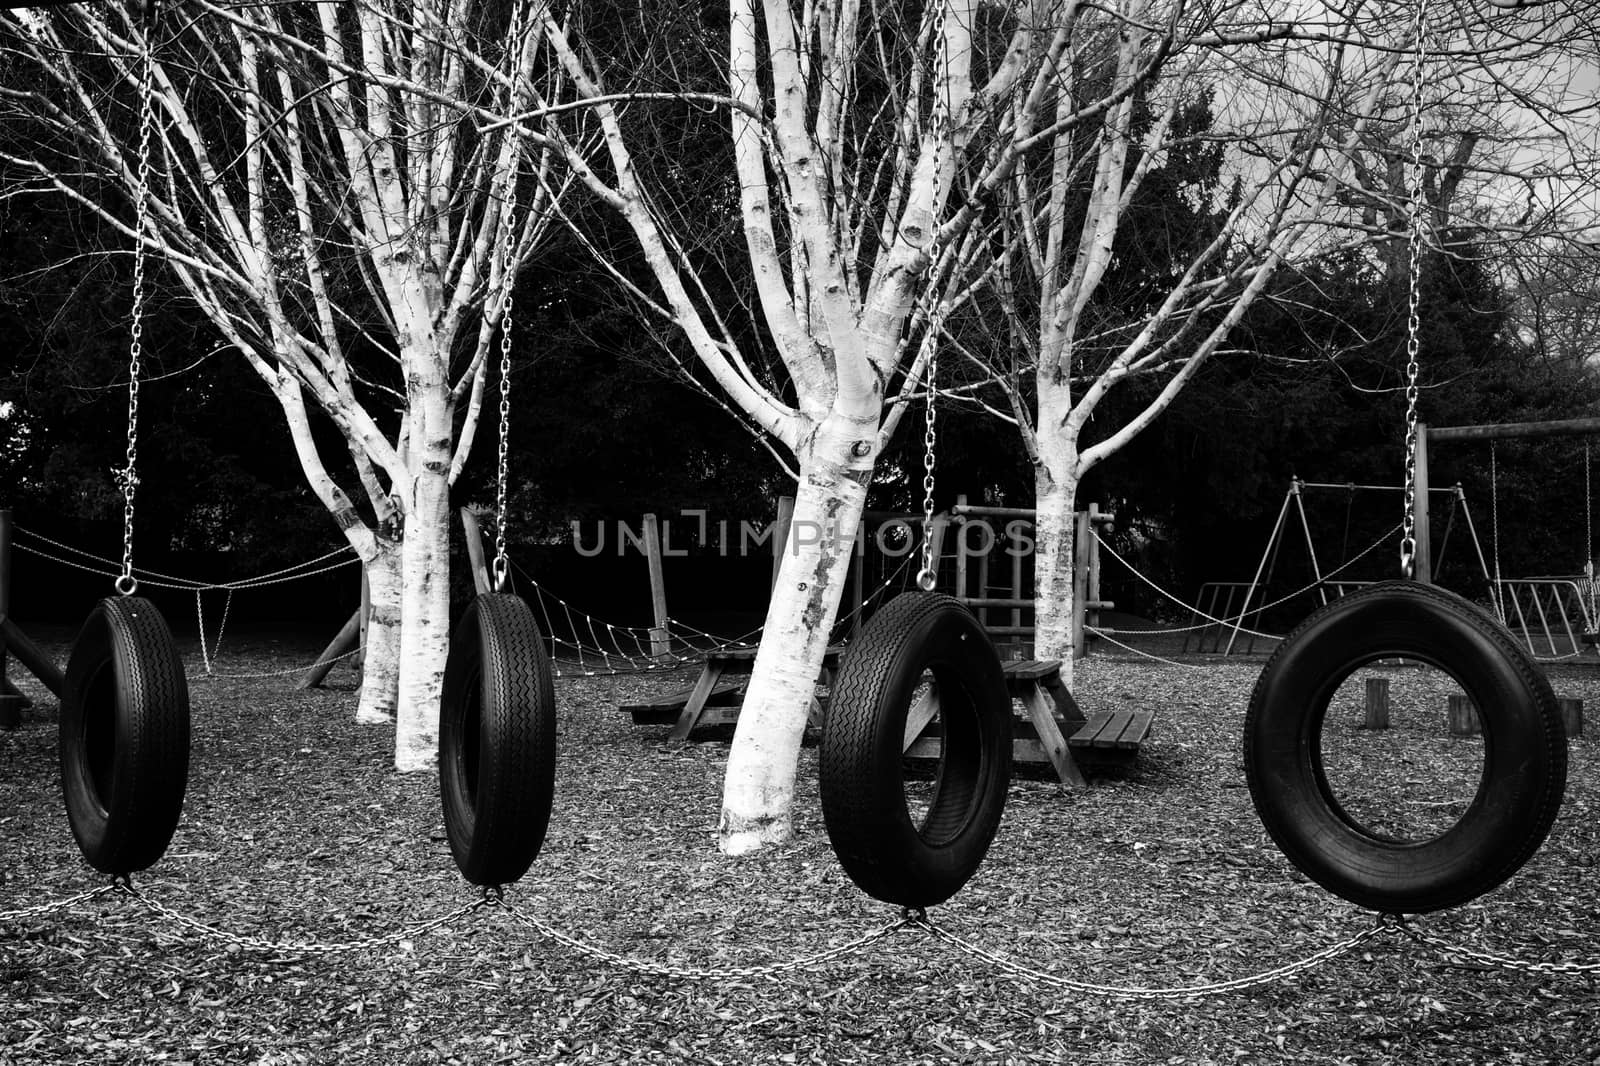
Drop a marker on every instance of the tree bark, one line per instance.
(380, 659)
(1055, 490)
(425, 569)
(758, 790)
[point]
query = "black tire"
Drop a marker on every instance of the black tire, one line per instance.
(862, 778)
(497, 740)
(1524, 744)
(124, 740)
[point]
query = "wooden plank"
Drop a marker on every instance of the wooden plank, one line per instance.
(1030, 670)
(1114, 729)
(475, 554)
(1135, 727)
(925, 710)
(665, 709)
(690, 716)
(30, 655)
(743, 659)
(8, 689)
(780, 533)
(1040, 708)
(348, 637)
(660, 645)
(1067, 708)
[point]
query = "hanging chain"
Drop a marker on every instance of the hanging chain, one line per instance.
(928, 576)
(508, 277)
(1384, 927)
(1588, 518)
(208, 654)
(1408, 533)
(1458, 953)
(128, 478)
(59, 905)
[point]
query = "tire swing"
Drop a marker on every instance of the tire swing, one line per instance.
(1525, 751)
(497, 729)
(922, 646)
(124, 732)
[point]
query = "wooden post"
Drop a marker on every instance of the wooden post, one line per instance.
(941, 524)
(1080, 582)
(961, 549)
(475, 556)
(983, 588)
(780, 533)
(1571, 715)
(10, 705)
(348, 635)
(1377, 703)
(1016, 586)
(1463, 717)
(1092, 614)
(858, 579)
(366, 617)
(660, 644)
(1424, 560)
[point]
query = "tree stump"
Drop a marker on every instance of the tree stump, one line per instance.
(1571, 715)
(1463, 717)
(1377, 704)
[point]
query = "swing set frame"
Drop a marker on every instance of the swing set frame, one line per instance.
(1426, 435)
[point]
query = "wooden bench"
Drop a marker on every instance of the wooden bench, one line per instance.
(1054, 730)
(664, 710)
(714, 701)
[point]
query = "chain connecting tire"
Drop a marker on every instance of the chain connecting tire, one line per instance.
(1525, 750)
(862, 778)
(497, 740)
(124, 740)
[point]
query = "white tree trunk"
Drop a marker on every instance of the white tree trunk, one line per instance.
(758, 789)
(1055, 499)
(425, 572)
(380, 659)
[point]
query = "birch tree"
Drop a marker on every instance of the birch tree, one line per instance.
(327, 186)
(865, 140)
(1314, 117)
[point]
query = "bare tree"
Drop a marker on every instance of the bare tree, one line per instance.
(865, 141)
(328, 185)
(1313, 115)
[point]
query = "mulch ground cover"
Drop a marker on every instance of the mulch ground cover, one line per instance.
(296, 829)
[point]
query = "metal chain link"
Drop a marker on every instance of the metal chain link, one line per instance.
(1385, 926)
(127, 584)
(304, 947)
(208, 654)
(928, 576)
(691, 973)
(1408, 534)
(508, 249)
(1458, 953)
(501, 567)
(58, 905)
